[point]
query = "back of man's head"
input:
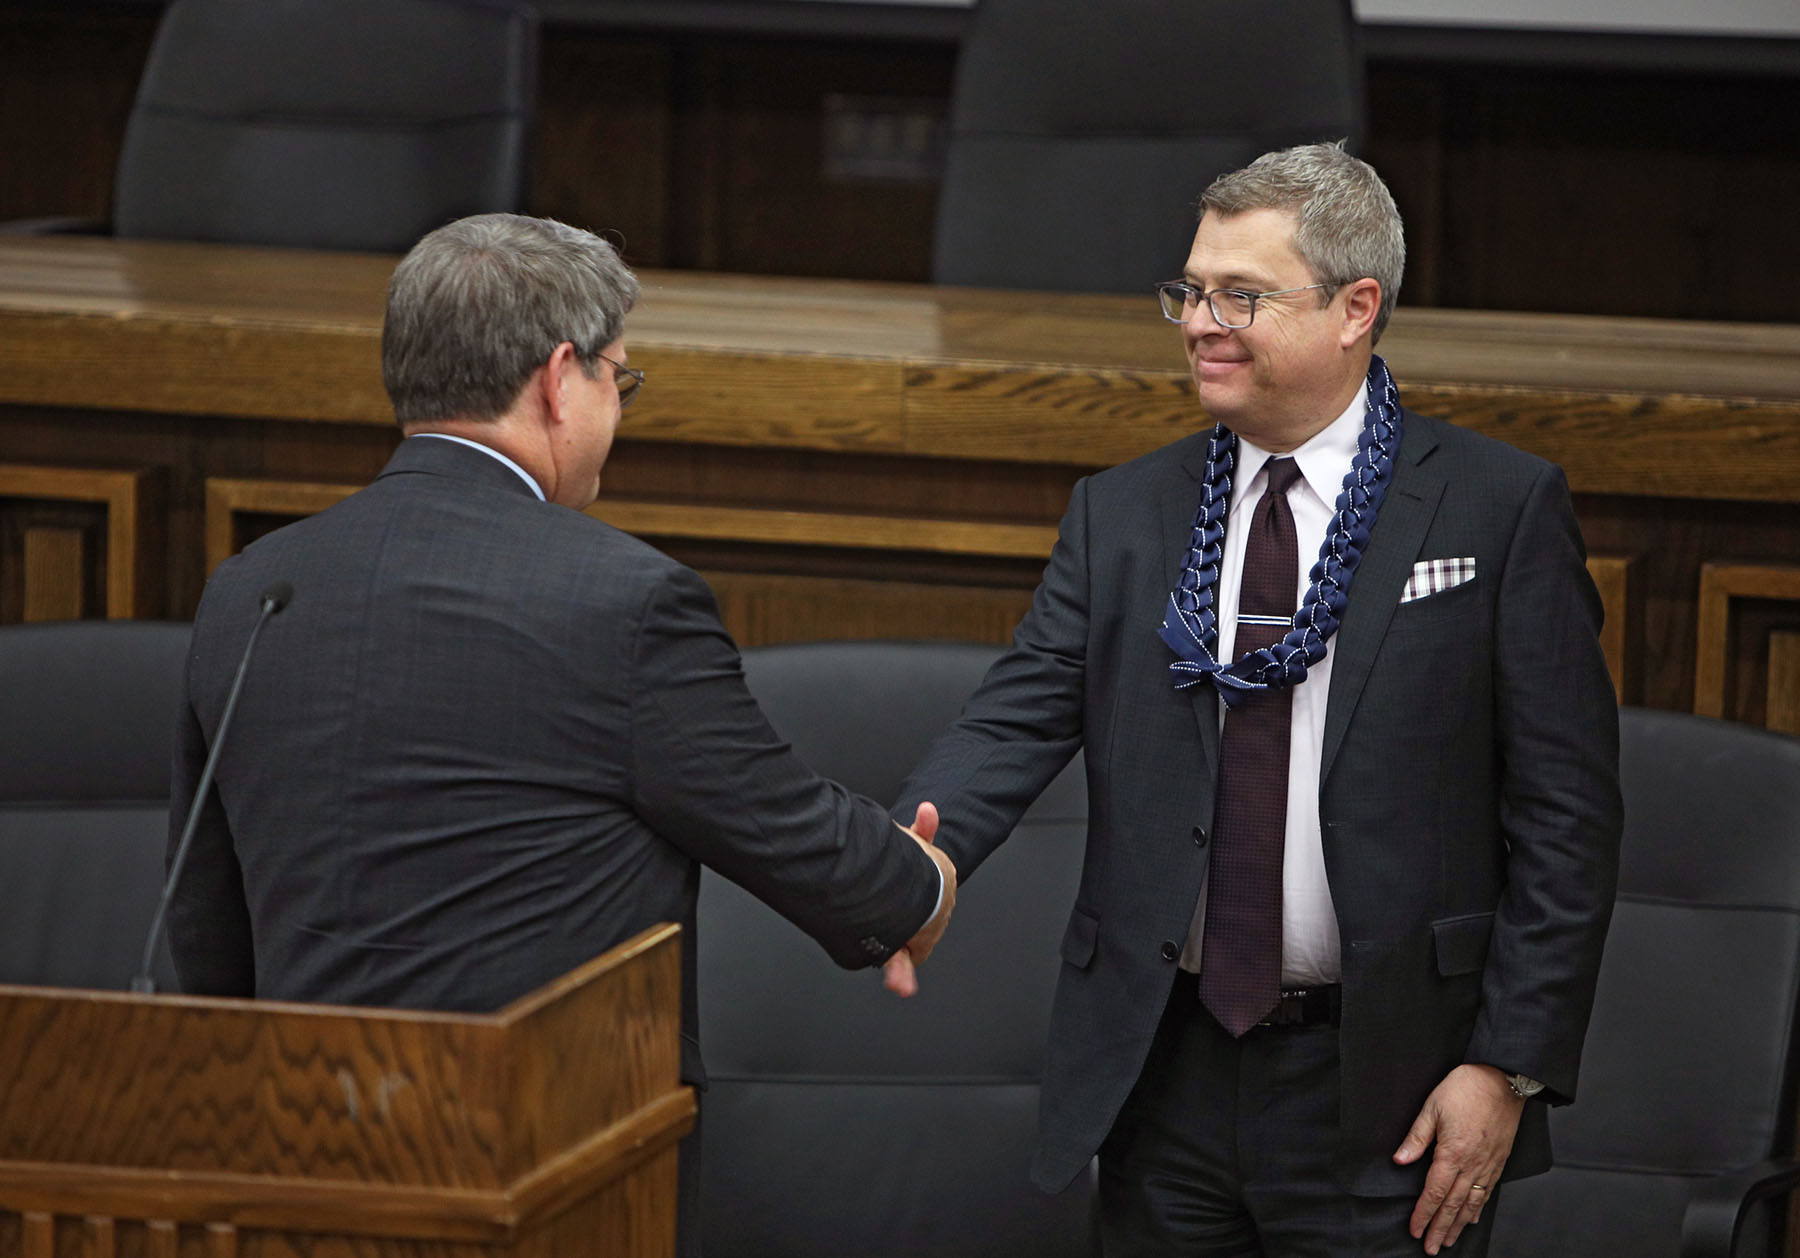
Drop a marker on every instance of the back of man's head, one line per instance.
(480, 304)
(1347, 226)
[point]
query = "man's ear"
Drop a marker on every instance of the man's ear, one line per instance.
(552, 381)
(1362, 302)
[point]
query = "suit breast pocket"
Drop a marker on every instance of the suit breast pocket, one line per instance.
(1443, 608)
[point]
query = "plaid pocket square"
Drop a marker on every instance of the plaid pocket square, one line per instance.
(1434, 576)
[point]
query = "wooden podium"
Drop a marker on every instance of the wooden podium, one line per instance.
(172, 1125)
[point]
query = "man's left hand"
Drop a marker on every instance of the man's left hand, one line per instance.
(1472, 1117)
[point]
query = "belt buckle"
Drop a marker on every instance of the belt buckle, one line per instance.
(1290, 1009)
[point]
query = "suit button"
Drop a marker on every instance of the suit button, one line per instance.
(1199, 836)
(1169, 950)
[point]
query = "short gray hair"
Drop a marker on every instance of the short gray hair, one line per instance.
(481, 303)
(1349, 227)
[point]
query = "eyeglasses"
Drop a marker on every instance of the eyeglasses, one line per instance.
(1231, 307)
(628, 379)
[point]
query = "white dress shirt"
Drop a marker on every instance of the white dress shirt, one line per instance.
(491, 452)
(1309, 930)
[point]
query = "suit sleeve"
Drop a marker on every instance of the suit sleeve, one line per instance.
(1024, 721)
(1557, 736)
(209, 920)
(710, 775)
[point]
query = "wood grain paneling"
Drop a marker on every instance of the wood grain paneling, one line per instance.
(228, 499)
(55, 574)
(1621, 631)
(134, 536)
(66, 84)
(1784, 681)
(1720, 585)
(263, 1126)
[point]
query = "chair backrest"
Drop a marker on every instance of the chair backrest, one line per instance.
(1082, 134)
(332, 124)
(87, 714)
(840, 1120)
(1687, 1060)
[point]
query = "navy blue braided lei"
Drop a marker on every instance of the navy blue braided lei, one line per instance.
(1191, 626)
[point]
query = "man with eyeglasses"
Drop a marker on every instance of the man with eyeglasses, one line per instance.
(491, 736)
(1352, 763)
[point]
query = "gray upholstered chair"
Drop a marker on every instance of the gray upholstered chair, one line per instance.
(87, 716)
(1082, 133)
(1685, 1111)
(840, 1120)
(330, 124)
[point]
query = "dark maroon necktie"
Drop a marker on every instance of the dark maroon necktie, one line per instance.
(1240, 958)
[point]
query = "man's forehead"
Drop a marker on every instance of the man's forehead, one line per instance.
(1256, 244)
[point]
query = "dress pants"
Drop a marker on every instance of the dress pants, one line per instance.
(1224, 1147)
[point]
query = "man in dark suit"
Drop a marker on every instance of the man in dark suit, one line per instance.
(492, 736)
(1354, 819)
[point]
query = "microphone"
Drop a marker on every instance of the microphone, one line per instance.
(275, 596)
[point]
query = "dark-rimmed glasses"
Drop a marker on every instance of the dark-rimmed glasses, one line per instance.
(1231, 307)
(628, 379)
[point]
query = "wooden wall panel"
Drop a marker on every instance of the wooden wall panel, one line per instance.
(604, 139)
(750, 184)
(1621, 632)
(1618, 193)
(58, 566)
(758, 600)
(66, 86)
(1784, 681)
(1725, 662)
(55, 575)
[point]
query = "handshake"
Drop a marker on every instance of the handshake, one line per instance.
(899, 974)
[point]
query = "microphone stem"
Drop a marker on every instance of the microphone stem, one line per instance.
(143, 983)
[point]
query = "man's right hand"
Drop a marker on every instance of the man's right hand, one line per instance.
(899, 975)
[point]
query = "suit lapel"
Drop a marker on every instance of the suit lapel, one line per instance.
(1394, 545)
(1180, 500)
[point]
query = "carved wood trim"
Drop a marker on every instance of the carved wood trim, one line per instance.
(288, 1203)
(1621, 601)
(101, 1239)
(1784, 681)
(133, 501)
(38, 1234)
(226, 498)
(1720, 583)
(817, 528)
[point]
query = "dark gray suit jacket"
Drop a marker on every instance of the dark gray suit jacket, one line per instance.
(489, 739)
(1469, 800)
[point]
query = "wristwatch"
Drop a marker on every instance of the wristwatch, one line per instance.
(1523, 1087)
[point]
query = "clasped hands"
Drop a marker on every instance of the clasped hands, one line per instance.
(899, 974)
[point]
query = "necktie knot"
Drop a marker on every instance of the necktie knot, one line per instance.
(1282, 475)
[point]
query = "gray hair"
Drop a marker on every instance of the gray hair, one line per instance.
(481, 303)
(1348, 226)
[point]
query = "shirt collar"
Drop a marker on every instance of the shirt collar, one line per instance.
(488, 450)
(1324, 458)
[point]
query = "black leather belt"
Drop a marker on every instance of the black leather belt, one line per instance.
(1307, 1006)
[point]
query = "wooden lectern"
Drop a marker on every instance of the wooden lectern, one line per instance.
(170, 1125)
